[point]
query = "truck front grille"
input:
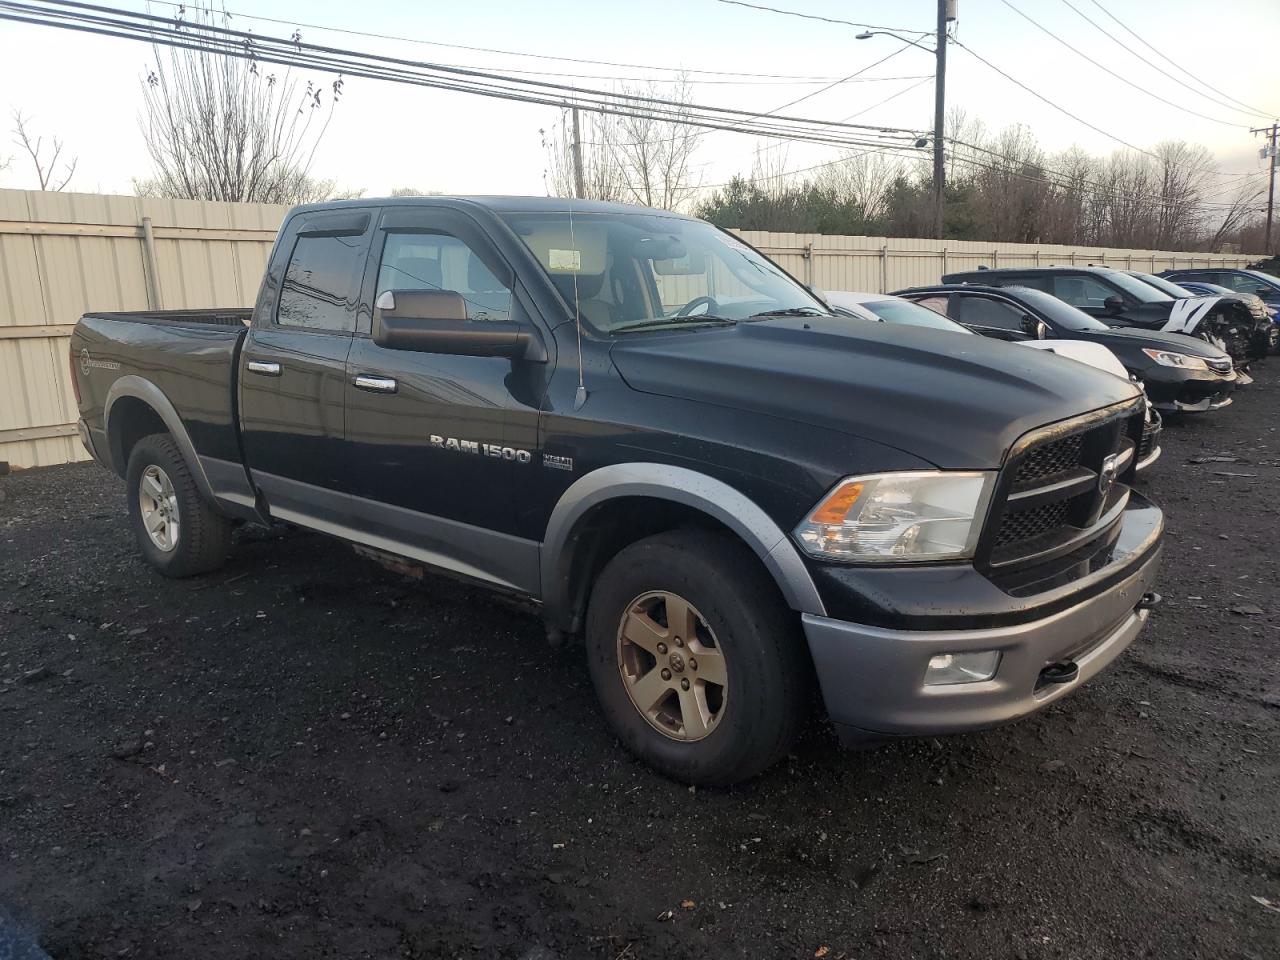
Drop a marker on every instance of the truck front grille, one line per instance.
(1053, 498)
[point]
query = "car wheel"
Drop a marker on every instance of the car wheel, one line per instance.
(179, 532)
(695, 658)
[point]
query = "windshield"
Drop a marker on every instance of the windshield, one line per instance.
(1163, 285)
(1264, 279)
(1058, 312)
(1138, 289)
(633, 270)
(909, 314)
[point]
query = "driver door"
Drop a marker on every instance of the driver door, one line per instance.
(441, 442)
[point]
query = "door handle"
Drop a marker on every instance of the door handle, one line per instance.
(268, 368)
(365, 381)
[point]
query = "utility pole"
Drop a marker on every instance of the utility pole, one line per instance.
(578, 190)
(1273, 157)
(946, 12)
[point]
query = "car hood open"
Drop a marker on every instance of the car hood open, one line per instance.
(954, 400)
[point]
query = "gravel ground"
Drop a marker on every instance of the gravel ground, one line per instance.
(306, 756)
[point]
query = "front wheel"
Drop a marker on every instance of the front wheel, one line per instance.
(180, 534)
(695, 658)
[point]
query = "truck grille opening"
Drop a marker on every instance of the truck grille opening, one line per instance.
(1150, 439)
(1029, 524)
(1055, 498)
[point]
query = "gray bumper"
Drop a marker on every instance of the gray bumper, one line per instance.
(873, 679)
(91, 443)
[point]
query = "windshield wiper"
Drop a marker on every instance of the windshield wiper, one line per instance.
(674, 321)
(791, 312)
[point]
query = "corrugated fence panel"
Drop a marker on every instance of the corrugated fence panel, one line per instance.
(62, 254)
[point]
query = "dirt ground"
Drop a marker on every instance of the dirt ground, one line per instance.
(306, 756)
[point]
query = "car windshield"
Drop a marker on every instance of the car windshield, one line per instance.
(644, 270)
(908, 314)
(1264, 279)
(1140, 290)
(1058, 312)
(1167, 286)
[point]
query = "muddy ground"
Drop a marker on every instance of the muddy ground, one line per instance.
(306, 756)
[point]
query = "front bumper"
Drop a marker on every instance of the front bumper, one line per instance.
(1176, 391)
(872, 677)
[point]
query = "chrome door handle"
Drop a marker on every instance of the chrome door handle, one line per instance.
(374, 384)
(268, 368)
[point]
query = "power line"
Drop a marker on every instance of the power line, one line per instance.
(814, 16)
(1105, 69)
(243, 45)
(1172, 60)
(512, 53)
(1155, 66)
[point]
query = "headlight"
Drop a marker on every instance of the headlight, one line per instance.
(1167, 358)
(896, 517)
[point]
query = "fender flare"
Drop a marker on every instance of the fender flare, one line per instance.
(680, 485)
(142, 389)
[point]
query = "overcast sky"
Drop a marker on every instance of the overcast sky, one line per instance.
(87, 89)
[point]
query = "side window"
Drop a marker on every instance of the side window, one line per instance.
(440, 261)
(936, 304)
(319, 283)
(985, 313)
(1082, 291)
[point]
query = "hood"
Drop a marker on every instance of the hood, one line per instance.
(1134, 338)
(955, 400)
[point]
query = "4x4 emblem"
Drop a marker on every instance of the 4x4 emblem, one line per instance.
(1108, 474)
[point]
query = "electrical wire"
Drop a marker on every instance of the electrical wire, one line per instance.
(1155, 66)
(814, 16)
(97, 19)
(1125, 80)
(1181, 69)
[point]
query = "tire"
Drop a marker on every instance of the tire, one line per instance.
(751, 720)
(198, 538)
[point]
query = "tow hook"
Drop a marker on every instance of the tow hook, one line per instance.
(1149, 601)
(1064, 672)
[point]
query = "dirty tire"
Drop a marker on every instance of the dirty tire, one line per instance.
(766, 697)
(205, 535)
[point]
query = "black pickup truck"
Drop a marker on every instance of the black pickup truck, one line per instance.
(648, 427)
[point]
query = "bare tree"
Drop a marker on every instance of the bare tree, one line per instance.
(224, 128)
(46, 164)
(601, 173)
(1242, 207)
(644, 158)
(412, 192)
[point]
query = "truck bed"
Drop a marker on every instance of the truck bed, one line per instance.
(190, 355)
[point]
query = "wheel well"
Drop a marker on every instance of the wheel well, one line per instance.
(615, 524)
(131, 420)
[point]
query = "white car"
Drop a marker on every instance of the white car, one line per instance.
(883, 308)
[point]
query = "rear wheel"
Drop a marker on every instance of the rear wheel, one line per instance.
(179, 532)
(695, 658)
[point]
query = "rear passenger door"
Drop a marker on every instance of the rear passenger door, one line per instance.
(292, 372)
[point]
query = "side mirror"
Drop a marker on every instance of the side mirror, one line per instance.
(435, 321)
(1034, 327)
(1113, 304)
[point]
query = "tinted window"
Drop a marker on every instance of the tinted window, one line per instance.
(439, 261)
(967, 308)
(1163, 285)
(1249, 283)
(1058, 313)
(1082, 291)
(319, 282)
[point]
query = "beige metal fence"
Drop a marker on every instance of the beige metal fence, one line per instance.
(62, 254)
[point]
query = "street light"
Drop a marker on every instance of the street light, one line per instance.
(946, 13)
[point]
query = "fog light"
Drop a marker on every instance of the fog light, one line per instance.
(947, 668)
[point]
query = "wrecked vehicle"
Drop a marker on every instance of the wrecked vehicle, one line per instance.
(1120, 299)
(1178, 373)
(650, 429)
